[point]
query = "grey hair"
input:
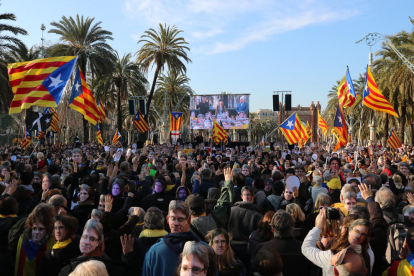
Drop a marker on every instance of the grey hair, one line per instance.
(141, 213)
(347, 188)
(362, 222)
(178, 205)
(77, 150)
(282, 224)
(317, 180)
(154, 219)
(245, 166)
(85, 187)
(98, 213)
(327, 176)
(198, 250)
(93, 224)
(101, 197)
(385, 197)
(57, 200)
(349, 195)
(236, 171)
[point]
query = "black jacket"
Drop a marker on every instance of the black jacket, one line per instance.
(114, 268)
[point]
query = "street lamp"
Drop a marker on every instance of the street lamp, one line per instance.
(64, 134)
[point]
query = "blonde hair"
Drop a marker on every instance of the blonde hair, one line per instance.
(294, 210)
(236, 166)
(397, 179)
(321, 200)
(90, 268)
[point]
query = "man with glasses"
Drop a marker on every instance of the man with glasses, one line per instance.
(92, 248)
(162, 257)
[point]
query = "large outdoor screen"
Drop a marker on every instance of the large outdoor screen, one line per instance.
(231, 111)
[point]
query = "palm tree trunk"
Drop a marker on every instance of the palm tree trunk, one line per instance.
(412, 134)
(403, 121)
(119, 123)
(386, 128)
(154, 81)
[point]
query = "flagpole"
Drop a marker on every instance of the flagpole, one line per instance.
(35, 147)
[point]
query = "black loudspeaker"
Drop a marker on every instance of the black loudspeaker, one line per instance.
(131, 106)
(288, 102)
(142, 106)
(275, 102)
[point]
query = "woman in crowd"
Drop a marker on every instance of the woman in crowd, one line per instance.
(262, 234)
(299, 232)
(36, 239)
(65, 248)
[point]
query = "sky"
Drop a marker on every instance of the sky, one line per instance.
(241, 46)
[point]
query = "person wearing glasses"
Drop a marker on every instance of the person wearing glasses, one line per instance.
(36, 238)
(66, 247)
(92, 248)
(162, 257)
(196, 259)
(227, 264)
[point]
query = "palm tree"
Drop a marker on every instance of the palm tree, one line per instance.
(162, 48)
(128, 79)
(8, 43)
(22, 53)
(86, 40)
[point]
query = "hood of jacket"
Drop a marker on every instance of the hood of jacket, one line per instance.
(176, 241)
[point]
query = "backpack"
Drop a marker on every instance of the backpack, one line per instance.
(396, 234)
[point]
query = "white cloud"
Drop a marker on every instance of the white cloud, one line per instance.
(218, 26)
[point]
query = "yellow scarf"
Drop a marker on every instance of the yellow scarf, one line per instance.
(139, 223)
(8, 216)
(152, 233)
(63, 244)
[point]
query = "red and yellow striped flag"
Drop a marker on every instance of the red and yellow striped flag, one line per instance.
(140, 123)
(393, 140)
(373, 98)
(308, 130)
(99, 134)
(102, 113)
(219, 134)
(82, 99)
(116, 137)
(55, 119)
(39, 82)
(322, 124)
(27, 140)
(293, 129)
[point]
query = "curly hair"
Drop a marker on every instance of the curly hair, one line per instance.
(70, 223)
(44, 214)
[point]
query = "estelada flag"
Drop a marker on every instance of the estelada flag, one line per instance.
(393, 140)
(99, 134)
(140, 123)
(219, 134)
(293, 129)
(27, 139)
(308, 130)
(340, 128)
(55, 119)
(176, 119)
(82, 99)
(322, 124)
(346, 92)
(39, 82)
(116, 137)
(373, 98)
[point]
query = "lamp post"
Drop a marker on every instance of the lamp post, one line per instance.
(64, 134)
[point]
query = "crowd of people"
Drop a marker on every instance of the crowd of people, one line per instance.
(70, 209)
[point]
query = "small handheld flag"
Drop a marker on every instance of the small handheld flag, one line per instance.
(99, 134)
(55, 119)
(340, 128)
(322, 124)
(393, 140)
(116, 137)
(27, 139)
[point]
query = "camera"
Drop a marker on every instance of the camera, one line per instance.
(332, 213)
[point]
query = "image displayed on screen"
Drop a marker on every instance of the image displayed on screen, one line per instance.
(231, 111)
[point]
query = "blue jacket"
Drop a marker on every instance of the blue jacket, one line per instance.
(162, 258)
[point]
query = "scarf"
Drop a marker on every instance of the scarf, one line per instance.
(139, 223)
(152, 233)
(8, 216)
(31, 249)
(63, 244)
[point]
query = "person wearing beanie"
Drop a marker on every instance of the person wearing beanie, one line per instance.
(42, 166)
